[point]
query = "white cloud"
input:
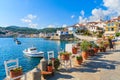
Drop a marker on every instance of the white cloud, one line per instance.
(112, 10)
(97, 14)
(82, 19)
(113, 6)
(5, 25)
(72, 16)
(82, 13)
(31, 25)
(30, 16)
(64, 25)
(26, 20)
(51, 26)
(29, 20)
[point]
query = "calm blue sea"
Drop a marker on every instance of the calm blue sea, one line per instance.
(10, 50)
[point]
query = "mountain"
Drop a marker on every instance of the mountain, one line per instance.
(23, 30)
(26, 30)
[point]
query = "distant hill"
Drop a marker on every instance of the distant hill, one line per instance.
(26, 30)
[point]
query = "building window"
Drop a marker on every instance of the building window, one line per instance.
(108, 24)
(108, 29)
(112, 24)
(56, 34)
(112, 29)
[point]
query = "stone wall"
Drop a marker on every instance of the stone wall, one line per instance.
(67, 37)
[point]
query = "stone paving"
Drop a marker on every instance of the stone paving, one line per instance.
(104, 66)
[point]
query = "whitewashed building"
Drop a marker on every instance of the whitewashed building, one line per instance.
(91, 26)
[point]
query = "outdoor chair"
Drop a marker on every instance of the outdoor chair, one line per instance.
(9, 67)
(50, 54)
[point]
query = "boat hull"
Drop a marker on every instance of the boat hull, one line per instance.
(34, 54)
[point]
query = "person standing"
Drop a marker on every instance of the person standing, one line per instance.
(110, 44)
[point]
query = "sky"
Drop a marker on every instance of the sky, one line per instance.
(55, 13)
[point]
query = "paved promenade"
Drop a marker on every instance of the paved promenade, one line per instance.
(104, 66)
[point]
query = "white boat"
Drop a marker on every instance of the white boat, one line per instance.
(32, 52)
(18, 42)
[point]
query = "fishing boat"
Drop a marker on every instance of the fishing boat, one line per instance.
(32, 52)
(18, 42)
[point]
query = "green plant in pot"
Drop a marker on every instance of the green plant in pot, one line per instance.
(56, 64)
(65, 55)
(49, 67)
(106, 43)
(79, 60)
(101, 46)
(16, 72)
(95, 48)
(84, 47)
(90, 45)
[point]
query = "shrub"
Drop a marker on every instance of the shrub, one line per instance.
(84, 45)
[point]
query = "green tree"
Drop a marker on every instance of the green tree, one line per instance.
(117, 34)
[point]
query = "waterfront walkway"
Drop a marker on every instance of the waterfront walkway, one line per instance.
(104, 66)
(82, 37)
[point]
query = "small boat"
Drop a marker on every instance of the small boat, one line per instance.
(32, 52)
(18, 42)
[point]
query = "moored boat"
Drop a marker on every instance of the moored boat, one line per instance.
(18, 42)
(32, 52)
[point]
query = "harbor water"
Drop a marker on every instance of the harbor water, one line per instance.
(10, 50)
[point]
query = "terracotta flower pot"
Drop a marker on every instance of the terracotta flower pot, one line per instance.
(64, 57)
(53, 59)
(91, 52)
(106, 45)
(78, 61)
(15, 74)
(88, 53)
(49, 68)
(102, 49)
(95, 50)
(84, 55)
(74, 50)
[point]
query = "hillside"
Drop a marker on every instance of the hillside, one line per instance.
(26, 30)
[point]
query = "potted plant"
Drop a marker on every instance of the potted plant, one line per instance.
(106, 43)
(84, 47)
(74, 50)
(91, 52)
(65, 55)
(16, 72)
(56, 64)
(79, 60)
(49, 67)
(95, 48)
(102, 47)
